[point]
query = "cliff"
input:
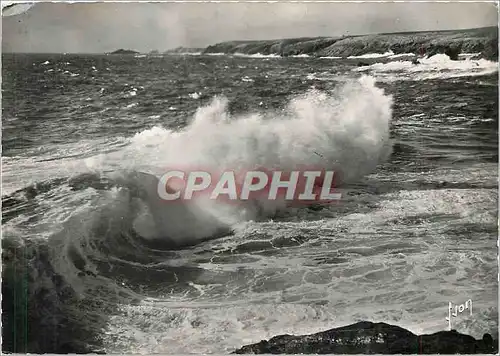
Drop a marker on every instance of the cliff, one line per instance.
(481, 40)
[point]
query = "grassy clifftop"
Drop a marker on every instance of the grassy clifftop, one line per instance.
(483, 40)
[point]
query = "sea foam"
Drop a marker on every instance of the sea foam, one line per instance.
(346, 130)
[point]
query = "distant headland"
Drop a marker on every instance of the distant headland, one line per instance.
(124, 51)
(483, 41)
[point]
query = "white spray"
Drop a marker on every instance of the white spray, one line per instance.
(346, 131)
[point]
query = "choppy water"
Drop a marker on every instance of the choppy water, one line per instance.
(416, 228)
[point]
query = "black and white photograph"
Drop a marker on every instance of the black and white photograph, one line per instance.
(249, 177)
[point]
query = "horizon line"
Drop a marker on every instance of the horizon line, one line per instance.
(250, 40)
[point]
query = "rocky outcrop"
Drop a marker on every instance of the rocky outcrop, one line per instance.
(373, 338)
(363, 64)
(483, 40)
(124, 51)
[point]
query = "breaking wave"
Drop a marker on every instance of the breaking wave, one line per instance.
(439, 66)
(110, 235)
(373, 55)
(346, 131)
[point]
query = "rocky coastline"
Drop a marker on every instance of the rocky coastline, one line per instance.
(483, 41)
(373, 338)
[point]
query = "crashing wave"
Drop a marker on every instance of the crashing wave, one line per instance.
(438, 66)
(372, 55)
(346, 131)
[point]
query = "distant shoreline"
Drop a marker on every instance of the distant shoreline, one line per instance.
(482, 40)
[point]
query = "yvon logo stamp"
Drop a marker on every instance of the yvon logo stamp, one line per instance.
(454, 310)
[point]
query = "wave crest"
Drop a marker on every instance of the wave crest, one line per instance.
(346, 130)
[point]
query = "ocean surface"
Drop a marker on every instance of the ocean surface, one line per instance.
(86, 247)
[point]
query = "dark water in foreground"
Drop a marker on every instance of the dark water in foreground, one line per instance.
(411, 233)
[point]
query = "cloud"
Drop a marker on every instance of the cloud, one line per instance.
(105, 26)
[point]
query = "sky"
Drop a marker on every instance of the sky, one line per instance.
(144, 26)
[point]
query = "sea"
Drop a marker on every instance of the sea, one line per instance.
(88, 253)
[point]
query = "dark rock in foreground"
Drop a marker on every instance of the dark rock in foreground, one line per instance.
(373, 338)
